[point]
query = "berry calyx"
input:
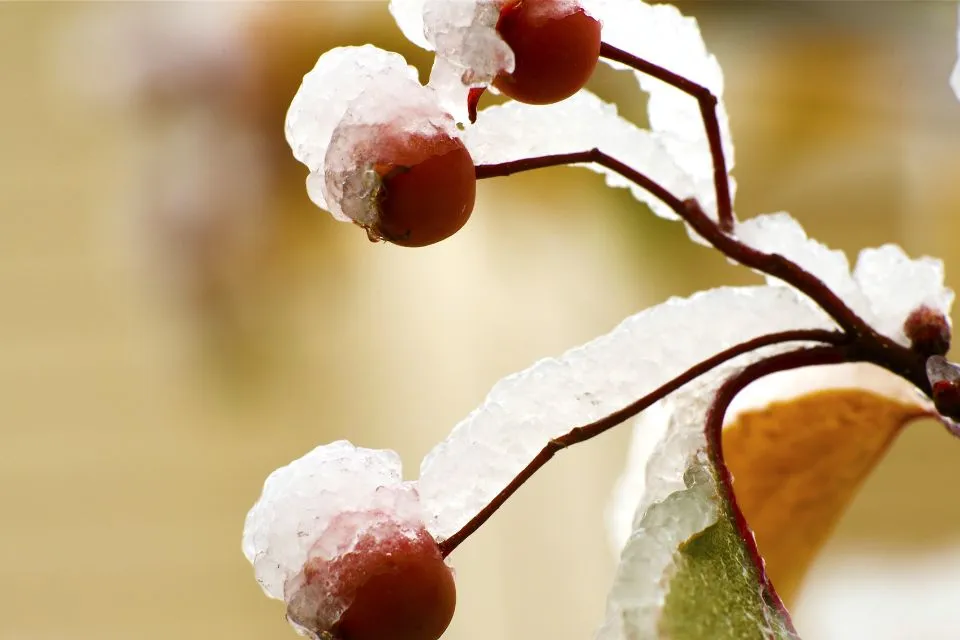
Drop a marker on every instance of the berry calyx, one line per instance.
(427, 190)
(928, 331)
(391, 584)
(556, 46)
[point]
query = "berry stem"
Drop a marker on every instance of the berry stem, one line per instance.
(588, 431)
(708, 111)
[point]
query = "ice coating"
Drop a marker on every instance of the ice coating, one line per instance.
(463, 32)
(579, 123)
(895, 285)
(322, 101)
(392, 108)
(681, 499)
(662, 35)
(408, 15)
(301, 499)
(525, 410)
(883, 289)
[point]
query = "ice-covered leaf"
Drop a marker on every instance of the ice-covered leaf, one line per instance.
(798, 445)
(514, 130)
(524, 411)
(662, 35)
(686, 572)
(883, 289)
(300, 500)
(340, 75)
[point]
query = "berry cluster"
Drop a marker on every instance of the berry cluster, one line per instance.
(360, 555)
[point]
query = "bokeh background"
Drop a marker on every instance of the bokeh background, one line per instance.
(177, 320)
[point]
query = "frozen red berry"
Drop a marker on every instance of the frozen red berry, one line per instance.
(928, 331)
(556, 46)
(427, 189)
(391, 584)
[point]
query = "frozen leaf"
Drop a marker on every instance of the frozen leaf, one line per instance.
(340, 76)
(662, 35)
(883, 289)
(586, 122)
(685, 572)
(300, 500)
(524, 411)
(798, 445)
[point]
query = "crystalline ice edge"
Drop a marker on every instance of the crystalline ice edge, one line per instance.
(322, 100)
(514, 130)
(300, 500)
(883, 289)
(662, 35)
(525, 410)
(680, 500)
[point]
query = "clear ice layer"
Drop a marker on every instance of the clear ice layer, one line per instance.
(300, 500)
(525, 410)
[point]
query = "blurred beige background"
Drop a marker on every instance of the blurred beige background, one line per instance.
(177, 320)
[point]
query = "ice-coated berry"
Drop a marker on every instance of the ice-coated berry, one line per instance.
(391, 584)
(427, 190)
(556, 47)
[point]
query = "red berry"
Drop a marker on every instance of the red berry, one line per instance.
(394, 583)
(427, 191)
(556, 46)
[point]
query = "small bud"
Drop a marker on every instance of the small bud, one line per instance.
(928, 331)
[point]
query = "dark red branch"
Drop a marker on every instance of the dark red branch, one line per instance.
(771, 264)
(708, 111)
(586, 432)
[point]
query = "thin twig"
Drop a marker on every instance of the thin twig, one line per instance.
(586, 432)
(690, 211)
(708, 111)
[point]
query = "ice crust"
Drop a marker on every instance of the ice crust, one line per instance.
(301, 499)
(883, 289)
(323, 99)
(582, 122)
(662, 35)
(524, 411)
